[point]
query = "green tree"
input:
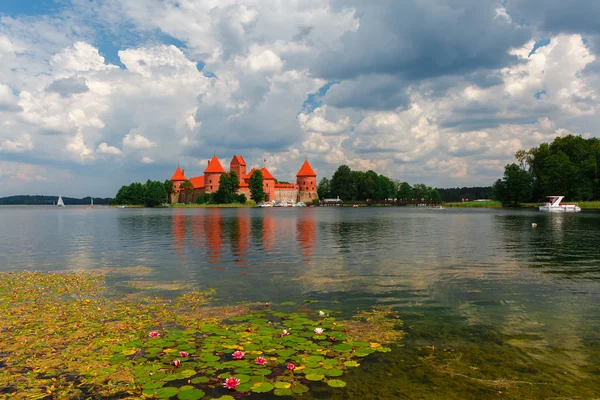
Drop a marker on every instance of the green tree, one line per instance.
(515, 187)
(156, 194)
(169, 188)
(137, 194)
(405, 192)
(324, 188)
(435, 196)
(421, 192)
(255, 183)
(228, 187)
(341, 183)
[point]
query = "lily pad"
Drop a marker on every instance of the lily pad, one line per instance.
(336, 383)
(282, 385)
(314, 377)
(334, 372)
(166, 392)
(351, 364)
(282, 392)
(262, 387)
(191, 395)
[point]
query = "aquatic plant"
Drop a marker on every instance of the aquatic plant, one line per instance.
(99, 346)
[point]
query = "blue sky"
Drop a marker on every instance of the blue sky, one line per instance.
(95, 94)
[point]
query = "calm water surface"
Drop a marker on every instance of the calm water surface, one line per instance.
(493, 307)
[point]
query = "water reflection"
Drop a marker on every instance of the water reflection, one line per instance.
(459, 272)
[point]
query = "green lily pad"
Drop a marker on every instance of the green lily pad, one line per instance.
(195, 394)
(288, 303)
(263, 388)
(282, 392)
(187, 373)
(200, 379)
(226, 397)
(314, 377)
(343, 347)
(334, 372)
(244, 387)
(243, 378)
(336, 383)
(351, 364)
(282, 385)
(263, 372)
(299, 388)
(166, 392)
(153, 385)
(186, 387)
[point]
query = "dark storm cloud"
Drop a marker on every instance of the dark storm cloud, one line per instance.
(423, 39)
(69, 86)
(556, 16)
(373, 92)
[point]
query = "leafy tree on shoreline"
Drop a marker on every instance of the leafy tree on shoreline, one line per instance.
(169, 188)
(255, 184)
(405, 192)
(156, 194)
(228, 188)
(324, 188)
(515, 187)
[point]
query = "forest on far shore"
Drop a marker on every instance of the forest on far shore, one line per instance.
(41, 200)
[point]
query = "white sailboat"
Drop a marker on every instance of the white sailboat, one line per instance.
(553, 205)
(60, 202)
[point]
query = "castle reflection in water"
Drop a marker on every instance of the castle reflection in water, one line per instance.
(220, 237)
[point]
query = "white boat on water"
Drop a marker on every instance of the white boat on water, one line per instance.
(553, 205)
(263, 205)
(60, 203)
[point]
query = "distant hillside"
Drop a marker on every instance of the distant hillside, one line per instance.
(39, 200)
(471, 193)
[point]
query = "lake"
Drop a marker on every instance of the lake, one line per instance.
(492, 306)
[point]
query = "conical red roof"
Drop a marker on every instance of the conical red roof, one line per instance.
(306, 170)
(266, 173)
(214, 166)
(178, 175)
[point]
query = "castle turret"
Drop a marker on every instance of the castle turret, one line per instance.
(212, 174)
(238, 165)
(178, 178)
(306, 179)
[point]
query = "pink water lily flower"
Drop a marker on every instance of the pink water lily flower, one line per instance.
(176, 363)
(285, 332)
(231, 383)
(184, 354)
(321, 313)
(291, 367)
(238, 355)
(318, 331)
(154, 334)
(260, 361)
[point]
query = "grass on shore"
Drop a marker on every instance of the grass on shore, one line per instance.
(475, 204)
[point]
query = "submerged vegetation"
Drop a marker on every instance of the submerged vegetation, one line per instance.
(64, 338)
(65, 335)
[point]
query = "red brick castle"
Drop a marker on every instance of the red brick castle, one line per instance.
(304, 190)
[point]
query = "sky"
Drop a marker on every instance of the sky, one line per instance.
(95, 94)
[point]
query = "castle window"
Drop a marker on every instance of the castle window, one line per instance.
(209, 181)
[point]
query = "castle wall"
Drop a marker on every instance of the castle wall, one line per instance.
(211, 181)
(286, 195)
(307, 196)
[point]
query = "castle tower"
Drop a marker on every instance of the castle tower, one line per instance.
(268, 184)
(212, 174)
(178, 178)
(238, 165)
(306, 179)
